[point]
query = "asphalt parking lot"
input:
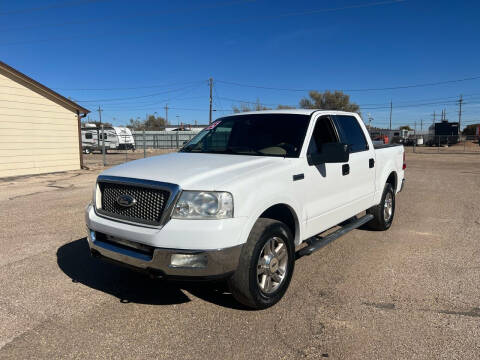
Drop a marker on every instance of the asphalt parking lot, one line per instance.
(411, 292)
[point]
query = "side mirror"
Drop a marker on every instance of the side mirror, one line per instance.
(330, 153)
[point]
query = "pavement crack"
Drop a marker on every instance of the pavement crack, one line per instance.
(383, 306)
(475, 312)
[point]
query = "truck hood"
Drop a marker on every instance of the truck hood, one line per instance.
(194, 171)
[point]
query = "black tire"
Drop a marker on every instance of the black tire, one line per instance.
(380, 221)
(244, 282)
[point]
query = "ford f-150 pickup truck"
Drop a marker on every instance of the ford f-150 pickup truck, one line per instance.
(246, 197)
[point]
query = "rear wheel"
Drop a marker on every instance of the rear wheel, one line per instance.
(266, 265)
(384, 212)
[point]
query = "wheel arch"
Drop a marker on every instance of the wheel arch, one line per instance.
(392, 179)
(286, 214)
(281, 211)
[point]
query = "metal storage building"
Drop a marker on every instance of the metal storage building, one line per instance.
(39, 128)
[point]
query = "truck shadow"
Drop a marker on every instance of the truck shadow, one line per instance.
(128, 286)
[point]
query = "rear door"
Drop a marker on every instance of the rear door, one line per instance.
(360, 180)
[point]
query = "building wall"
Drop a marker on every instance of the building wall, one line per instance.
(36, 134)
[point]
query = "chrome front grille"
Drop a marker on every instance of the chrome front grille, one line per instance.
(151, 201)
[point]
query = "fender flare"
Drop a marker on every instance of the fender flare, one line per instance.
(259, 210)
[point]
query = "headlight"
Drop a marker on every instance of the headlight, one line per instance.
(204, 205)
(97, 196)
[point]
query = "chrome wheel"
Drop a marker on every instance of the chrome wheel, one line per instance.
(388, 207)
(272, 265)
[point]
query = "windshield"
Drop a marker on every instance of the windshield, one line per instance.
(256, 134)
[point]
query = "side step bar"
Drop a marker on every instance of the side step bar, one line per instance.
(316, 243)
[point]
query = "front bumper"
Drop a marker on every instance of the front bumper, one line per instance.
(158, 262)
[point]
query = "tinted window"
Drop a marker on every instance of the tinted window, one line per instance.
(322, 133)
(351, 133)
(88, 135)
(256, 134)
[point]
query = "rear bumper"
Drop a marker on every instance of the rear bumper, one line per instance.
(159, 262)
(402, 185)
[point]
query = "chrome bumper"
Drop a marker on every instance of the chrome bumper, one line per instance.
(158, 261)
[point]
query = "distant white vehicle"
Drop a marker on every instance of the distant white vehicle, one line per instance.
(116, 138)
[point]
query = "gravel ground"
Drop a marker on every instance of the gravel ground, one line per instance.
(411, 292)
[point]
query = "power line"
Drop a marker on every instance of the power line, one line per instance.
(362, 106)
(210, 23)
(128, 88)
(133, 97)
(354, 90)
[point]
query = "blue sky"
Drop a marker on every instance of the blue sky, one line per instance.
(133, 57)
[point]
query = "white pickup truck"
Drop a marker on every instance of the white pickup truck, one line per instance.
(246, 197)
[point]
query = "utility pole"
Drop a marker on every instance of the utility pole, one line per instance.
(100, 114)
(421, 125)
(415, 127)
(391, 108)
(369, 121)
(460, 101)
(210, 81)
(166, 114)
(434, 117)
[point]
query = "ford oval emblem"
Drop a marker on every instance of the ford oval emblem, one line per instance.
(126, 200)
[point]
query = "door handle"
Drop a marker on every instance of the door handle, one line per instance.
(371, 163)
(345, 169)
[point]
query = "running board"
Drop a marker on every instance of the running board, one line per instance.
(316, 243)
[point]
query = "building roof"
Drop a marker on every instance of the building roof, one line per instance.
(33, 85)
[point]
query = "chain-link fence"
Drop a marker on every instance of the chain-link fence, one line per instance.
(443, 144)
(145, 144)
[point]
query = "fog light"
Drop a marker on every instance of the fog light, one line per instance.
(189, 260)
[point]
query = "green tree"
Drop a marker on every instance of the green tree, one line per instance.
(152, 123)
(155, 123)
(405, 127)
(329, 101)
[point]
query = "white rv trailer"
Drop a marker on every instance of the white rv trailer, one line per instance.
(116, 138)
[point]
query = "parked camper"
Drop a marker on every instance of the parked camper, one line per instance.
(116, 138)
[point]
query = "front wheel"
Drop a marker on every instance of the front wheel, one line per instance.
(266, 265)
(384, 212)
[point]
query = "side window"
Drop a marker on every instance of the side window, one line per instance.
(88, 135)
(351, 133)
(322, 133)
